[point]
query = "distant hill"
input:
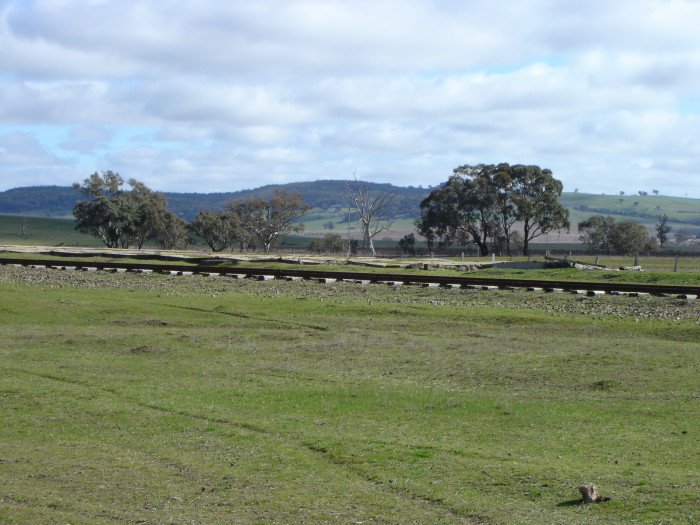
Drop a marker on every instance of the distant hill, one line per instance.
(683, 213)
(39, 201)
(328, 197)
(57, 201)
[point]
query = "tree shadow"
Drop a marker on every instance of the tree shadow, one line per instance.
(579, 501)
(571, 503)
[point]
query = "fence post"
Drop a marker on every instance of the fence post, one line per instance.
(675, 264)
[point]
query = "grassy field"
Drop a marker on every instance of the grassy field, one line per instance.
(683, 212)
(42, 231)
(154, 399)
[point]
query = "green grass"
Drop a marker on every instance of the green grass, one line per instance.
(42, 231)
(646, 209)
(157, 399)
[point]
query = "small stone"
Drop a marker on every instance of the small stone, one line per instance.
(589, 492)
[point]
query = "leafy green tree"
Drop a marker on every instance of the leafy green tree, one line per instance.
(460, 211)
(535, 193)
(483, 202)
(631, 238)
(407, 244)
(152, 209)
(596, 232)
(108, 185)
(121, 219)
(316, 245)
(266, 221)
(503, 185)
(662, 230)
(330, 243)
(218, 229)
(170, 232)
(603, 233)
(333, 243)
(113, 221)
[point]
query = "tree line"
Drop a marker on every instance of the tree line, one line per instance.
(501, 206)
(604, 234)
(124, 219)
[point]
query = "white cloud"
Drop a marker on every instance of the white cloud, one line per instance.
(222, 95)
(23, 149)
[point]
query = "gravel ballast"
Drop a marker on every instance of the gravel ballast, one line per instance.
(643, 307)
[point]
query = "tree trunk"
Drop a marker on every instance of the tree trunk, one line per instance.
(526, 238)
(367, 239)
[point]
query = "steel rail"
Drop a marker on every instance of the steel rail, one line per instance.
(607, 287)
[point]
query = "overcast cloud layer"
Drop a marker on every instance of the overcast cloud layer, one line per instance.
(222, 95)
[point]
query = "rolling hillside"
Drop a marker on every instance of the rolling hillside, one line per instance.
(330, 205)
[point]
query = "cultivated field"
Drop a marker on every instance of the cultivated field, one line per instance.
(132, 398)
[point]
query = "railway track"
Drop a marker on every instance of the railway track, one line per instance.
(583, 287)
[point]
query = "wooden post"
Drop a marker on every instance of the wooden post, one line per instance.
(675, 264)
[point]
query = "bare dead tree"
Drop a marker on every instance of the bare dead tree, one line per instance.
(370, 208)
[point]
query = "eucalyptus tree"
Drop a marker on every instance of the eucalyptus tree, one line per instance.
(170, 232)
(604, 233)
(218, 229)
(662, 230)
(535, 193)
(265, 221)
(461, 211)
(596, 232)
(119, 218)
(483, 202)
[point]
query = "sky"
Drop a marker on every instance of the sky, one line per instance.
(224, 95)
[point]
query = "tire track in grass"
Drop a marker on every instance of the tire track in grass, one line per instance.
(251, 317)
(285, 438)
